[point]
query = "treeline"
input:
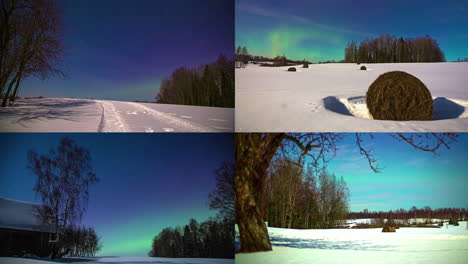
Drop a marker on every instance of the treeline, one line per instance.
(243, 57)
(78, 242)
(413, 212)
(207, 85)
(213, 238)
(389, 49)
(296, 197)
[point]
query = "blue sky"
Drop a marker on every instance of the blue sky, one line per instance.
(319, 30)
(409, 177)
(121, 50)
(148, 181)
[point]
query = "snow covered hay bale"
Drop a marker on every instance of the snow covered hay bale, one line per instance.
(292, 69)
(363, 68)
(388, 229)
(399, 96)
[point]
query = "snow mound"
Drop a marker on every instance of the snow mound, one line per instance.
(444, 108)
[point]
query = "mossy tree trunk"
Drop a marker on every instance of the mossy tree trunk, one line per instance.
(254, 153)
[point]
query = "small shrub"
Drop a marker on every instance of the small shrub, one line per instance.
(363, 68)
(292, 69)
(399, 96)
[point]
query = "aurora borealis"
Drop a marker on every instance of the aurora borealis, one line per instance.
(319, 30)
(121, 50)
(147, 181)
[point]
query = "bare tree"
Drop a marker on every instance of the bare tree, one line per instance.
(222, 198)
(64, 176)
(30, 44)
(255, 151)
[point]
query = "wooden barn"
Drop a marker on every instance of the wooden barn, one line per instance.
(21, 232)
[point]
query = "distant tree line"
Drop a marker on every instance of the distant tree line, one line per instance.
(31, 34)
(462, 60)
(207, 85)
(210, 239)
(243, 57)
(413, 212)
(299, 198)
(80, 241)
(213, 238)
(389, 49)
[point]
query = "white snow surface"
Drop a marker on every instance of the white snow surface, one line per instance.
(331, 98)
(86, 115)
(122, 260)
(407, 245)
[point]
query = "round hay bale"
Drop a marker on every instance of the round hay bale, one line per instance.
(306, 65)
(399, 96)
(358, 63)
(292, 69)
(363, 68)
(388, 229)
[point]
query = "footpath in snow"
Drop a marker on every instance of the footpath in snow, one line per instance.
(83, 115)
(331, 98)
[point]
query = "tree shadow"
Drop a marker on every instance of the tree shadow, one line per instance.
(325, 244)
(333, 104)
(446, 109)
(29, 110)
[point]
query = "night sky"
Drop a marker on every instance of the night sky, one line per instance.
(319, 30)
(409, 177)
(148, 181)
(121, 49)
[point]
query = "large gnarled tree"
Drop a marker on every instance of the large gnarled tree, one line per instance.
(255, 151)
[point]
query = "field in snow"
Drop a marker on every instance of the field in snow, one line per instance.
(407, 245)
(84, 115)
(120, 260)
(331, 98)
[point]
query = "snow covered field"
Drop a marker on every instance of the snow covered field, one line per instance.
(83, 115)
(331, 98)
(406, 245)
(121, 260)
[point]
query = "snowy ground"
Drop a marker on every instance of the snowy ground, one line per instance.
(330, 98)
(83, 115)
(407, 245)
(121, 260)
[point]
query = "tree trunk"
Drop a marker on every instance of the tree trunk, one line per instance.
(253, 155)
(7, 93)
(15, 92)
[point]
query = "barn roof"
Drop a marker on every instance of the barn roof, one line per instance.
(19, 215)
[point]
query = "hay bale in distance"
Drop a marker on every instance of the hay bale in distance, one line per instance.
(292, 69)
(363, 68)
(306, 65)
(388, 229)
(399, 96)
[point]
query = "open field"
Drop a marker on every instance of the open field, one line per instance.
(331, 98)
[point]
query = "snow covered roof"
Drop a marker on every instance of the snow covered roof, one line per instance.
(19, 215)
